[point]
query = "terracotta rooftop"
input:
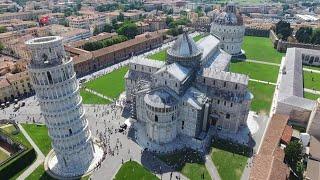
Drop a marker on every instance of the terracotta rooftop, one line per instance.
(287, 134)
(268, 163)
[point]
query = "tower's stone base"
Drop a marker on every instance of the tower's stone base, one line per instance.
(239, 55)
(52, 168)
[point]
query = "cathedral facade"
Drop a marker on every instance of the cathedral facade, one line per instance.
(187, 93)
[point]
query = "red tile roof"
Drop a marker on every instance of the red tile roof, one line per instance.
(287, 134)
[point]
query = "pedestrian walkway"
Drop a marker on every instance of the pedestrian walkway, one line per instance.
(311, 91)
(261, 62)
(212, 168)
(264, 82)
(98, 94)
(39, 160)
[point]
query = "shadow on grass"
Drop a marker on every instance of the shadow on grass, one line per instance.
(178, 159)
(232, 147)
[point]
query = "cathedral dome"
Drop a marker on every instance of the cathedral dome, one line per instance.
(160, 99)
(184, 47)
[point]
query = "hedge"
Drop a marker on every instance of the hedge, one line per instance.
(17, 164)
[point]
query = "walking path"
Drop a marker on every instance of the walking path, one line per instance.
(262, 62)
(264, 82)
(212, 168)
(311, 91)
(39, 160)
(98, 94)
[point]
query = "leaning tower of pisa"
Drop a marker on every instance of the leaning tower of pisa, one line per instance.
(57, 90)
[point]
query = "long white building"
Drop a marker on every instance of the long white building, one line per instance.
(57, 90)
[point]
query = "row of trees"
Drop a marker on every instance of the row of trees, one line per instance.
(92, 46)
(308, 35)
(283, 30)
(175, 27)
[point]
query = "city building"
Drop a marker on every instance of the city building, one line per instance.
(86, 61)
(190, 91)
(17, 24)
(14, 79)
(228, 27)
(57, 90)
(88, 21)
(26, 15)
(69, 34)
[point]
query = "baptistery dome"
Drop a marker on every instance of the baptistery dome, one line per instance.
(229, 29)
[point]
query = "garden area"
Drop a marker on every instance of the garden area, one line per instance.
(263, 95)
(132, 170)
(255, 70)
(189, 162)
(261, 49)
(39, 134)
(89, 98)
(230, 159)
(17, 163)
(111, 85)
(311, 96)
(311, 80)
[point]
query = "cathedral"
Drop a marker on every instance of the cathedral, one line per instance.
(189, 92)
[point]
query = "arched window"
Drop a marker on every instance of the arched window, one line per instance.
(70, 132)
(228, 116)
(156, 118)
(49, 77)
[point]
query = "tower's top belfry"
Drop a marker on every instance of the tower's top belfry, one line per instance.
(46, 51)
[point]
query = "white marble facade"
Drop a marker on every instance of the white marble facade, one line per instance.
(228, 27)
(189, 92)
(57, 90)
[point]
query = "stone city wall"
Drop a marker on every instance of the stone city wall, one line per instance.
(256, 32)
(282, 46)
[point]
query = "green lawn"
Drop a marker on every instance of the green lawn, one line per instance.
(159, 56)
(89, 98)
(263, 94)
(3, 156)
(198, 37)
(39, 173)
(229, 159)
(132, 170)
(111, 85)
(311, 96)
(311, 80)
(17, 135)
(255, 71)
(261, 49)
(9, 129)
(189, 162)
(39, 134)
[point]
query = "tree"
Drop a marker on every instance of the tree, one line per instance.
(315, 39)
(107, 28)
(304, 34)
(129, 30)
(283, 28)
(3, 29)
(1, 46)
(293, 153)
(96, 31)
(121, 17)
(199, 11)
(169, 20)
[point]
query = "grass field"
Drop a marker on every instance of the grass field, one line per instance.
(311, 96)
(132, 170)
(111, 85)
(3, 156)
(39, 134)
(159, 56)
(263, 94)
(39, 173)
(9, 129)
(311, 80)
(198, 37)
(189, 162)
(229, 159)
(17, 136)
(89, 98)
(255, 71)
(261, 49)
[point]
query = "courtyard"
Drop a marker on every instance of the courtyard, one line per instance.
(261, 49)
(131, 167)
(189, 162)
(230, 159)
(263, 94)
